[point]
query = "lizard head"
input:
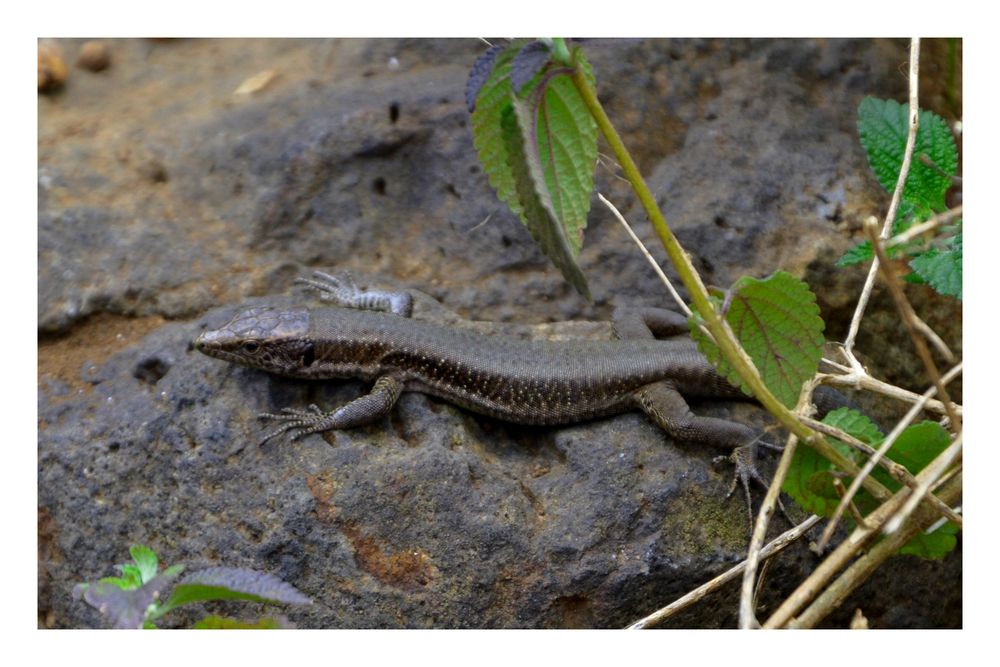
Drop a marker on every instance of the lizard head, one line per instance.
(273, 339)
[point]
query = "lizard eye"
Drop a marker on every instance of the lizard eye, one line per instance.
(251, 347)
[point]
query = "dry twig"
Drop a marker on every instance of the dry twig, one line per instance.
(911, 140)
(747, 618)
(922, 228)
(647, 255)
(876, 459)
(773, 548)
(848, 550)
(862, 568)
(906, 312)
(864, 381)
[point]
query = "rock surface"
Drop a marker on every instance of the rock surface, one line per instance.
(165, 200)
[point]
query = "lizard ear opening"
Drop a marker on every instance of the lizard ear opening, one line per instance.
(308, 356)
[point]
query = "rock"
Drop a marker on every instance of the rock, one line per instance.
(362, 159)
(94, 56)
(51, 68)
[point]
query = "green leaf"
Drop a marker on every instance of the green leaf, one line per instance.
(120, 582)
(145, 560)
(539, 150)
(229, 583)
(480, 73)
(942, 269)
(537, 210)
(565, 140)
(915, 447)
(810, 477)
(860, 253)
(224, 623)
(855, 424)
(922, 443)
(132, 575)
(934, 545)
(493, 99)
(882, 125)
(777, 322)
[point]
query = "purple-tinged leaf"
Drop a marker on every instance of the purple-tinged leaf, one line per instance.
(527, 63)
(126, 609)
(231, 583)
(480, 72)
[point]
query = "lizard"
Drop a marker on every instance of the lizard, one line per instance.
(370, 335)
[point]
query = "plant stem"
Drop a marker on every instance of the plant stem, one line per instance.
(720, 331)
(560, 51)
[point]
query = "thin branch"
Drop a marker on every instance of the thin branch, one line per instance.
(747, 617)
(859, 518)
(603, 160)
(847, 550)
(911, 140)
(906, 312)
(865, 565)
(864, 381)
(646, 253)
(933, 338)
(926, 226)
(775, 547)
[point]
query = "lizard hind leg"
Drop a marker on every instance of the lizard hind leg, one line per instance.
(667, 408)
(343, 291)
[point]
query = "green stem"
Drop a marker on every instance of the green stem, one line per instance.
(720, 331)
(560, 51)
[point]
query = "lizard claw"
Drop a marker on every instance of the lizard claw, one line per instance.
(339, 288)
(298, 422)
(745, 472)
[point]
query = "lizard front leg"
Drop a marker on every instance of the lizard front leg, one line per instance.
(364, 410)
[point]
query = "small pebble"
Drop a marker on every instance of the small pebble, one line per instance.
(94, 56)
(51, 68)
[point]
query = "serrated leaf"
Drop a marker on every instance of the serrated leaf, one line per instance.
(527, 63)
(777, 322)
(860, 253)
(565, 139)
(809, 482)
(145, 560)
(810, 477)
(224, 623)
(942, 269)
(854, 423)
(557, 150)
(493, 99)
(480, 72)
(230, 583)
(536, 206)
(882, 125)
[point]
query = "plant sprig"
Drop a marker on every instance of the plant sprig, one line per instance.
(133, 600)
